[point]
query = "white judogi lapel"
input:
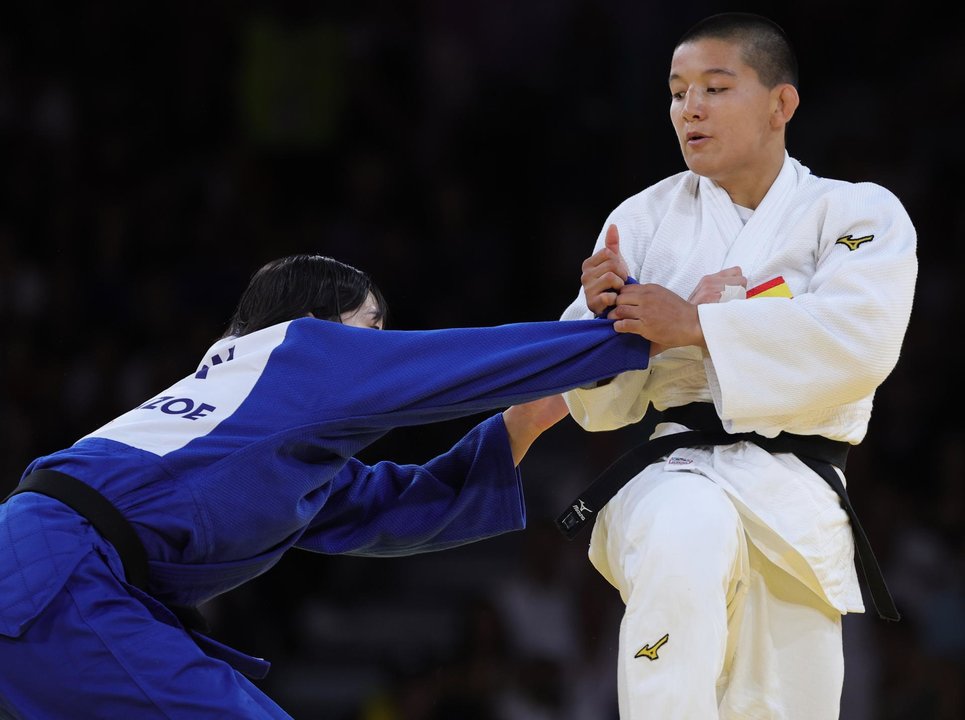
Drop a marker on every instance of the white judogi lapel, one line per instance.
(719, 218)
(701, 231)
(751, 243)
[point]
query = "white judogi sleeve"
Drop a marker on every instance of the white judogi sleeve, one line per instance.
(811, 364)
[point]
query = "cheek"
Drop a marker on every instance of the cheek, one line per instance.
(742, 128)
(755, 119)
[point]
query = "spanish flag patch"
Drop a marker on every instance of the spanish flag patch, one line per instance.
(775, 287)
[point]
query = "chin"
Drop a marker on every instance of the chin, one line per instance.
(697, 165)
(701, 165)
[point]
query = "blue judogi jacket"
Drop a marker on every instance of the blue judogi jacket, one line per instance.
(252, 454)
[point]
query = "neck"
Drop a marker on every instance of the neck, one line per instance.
(748, 186)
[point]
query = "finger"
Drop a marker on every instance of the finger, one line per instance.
(595, 260)
(602, 265)
(733, 276)
(607, 297)
(607, 306)
(629, 325)
(608, 282)
(599, 302)
(628, 312)
(626, 305)
(631, 294)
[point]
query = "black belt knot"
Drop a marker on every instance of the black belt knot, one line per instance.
(821, 454)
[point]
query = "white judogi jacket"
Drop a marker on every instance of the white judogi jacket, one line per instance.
(808, 365)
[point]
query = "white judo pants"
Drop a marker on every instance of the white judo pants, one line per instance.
(711, 628)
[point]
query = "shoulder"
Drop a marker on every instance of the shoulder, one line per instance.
(854, 213)
(660, 191)
(848, 196)
(649, 204)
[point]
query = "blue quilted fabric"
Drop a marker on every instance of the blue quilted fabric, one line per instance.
(38, 550)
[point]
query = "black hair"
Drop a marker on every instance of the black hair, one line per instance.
(294, 286)
(765, 46)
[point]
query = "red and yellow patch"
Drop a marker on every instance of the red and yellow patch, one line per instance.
(775, 287)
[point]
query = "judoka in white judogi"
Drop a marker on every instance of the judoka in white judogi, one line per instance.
(735, 564)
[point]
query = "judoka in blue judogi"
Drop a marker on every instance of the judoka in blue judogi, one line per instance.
(252, 455)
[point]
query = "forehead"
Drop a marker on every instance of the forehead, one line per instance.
(369, 305)
(707, 57)
(365, 313)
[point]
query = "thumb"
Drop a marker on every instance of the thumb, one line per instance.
(612, 243)
(613, 239)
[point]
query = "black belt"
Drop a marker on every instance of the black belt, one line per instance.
(111, 524)
(820, 454)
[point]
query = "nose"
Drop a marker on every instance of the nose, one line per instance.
(692, 107)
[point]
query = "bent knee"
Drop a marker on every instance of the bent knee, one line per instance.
(688, 516)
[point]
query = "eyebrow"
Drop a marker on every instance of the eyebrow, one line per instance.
(708, 71)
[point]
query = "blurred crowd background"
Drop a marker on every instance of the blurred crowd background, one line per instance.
(465, 154)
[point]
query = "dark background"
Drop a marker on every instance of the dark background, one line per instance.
(466, 154)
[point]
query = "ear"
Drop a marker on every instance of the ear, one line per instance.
(784, 103)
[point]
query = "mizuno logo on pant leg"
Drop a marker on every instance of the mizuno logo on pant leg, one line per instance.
(650, 651)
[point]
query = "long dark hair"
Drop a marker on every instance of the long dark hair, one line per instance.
(294, 286)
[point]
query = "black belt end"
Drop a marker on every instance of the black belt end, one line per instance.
(574, 519)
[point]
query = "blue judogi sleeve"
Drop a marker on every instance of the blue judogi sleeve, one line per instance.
(468, 493)
(328, 371)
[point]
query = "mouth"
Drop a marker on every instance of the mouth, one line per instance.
(695, 137)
